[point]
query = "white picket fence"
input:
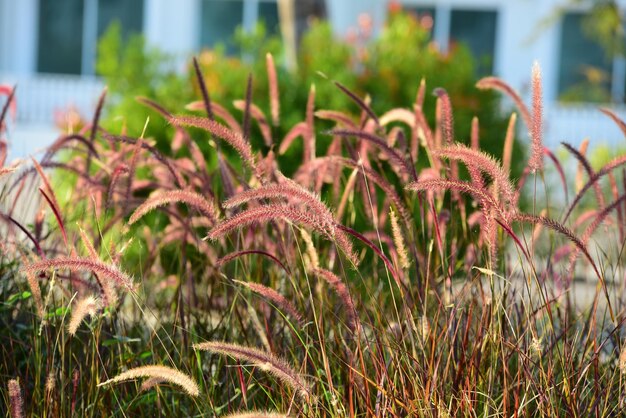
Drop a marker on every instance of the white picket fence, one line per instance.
(575, 122)
(39, 96)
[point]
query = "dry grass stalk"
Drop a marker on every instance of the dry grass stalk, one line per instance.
(507, 152)
(579, 170)
(273, 87)
(398, 240)
(93, 254)
(266, 361)
(82, 264)
(398, 115)
(475, 134)
(88, 305)
(344, 294)
(15, 399)
(165, 373)
(312, 259)
(273, 296)
(161, 198)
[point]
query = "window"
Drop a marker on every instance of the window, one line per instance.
(477, 30)
(60, 40)
(128, 13)
(68, 31)
(585, 71)
(221, 18)
(268, 13)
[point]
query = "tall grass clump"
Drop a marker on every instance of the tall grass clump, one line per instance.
(392, 271)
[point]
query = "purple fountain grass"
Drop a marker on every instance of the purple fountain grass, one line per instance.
(266, 361)
(361, 103)
(257, 114)
(578, 183)
(236, 140)
(398, 115)
(607, 168)
(286, 190)
(234, 255)
(16, 402)
(206, 98)
(160, 198)
(278, 300)
(394, 155)
(482, 162)
(180, 182)
(446, 116)
(475, 134)
(300, 129)
(309, 135)
(76, 263)
(536, 129)
(342, 291)
(619, 122)
(118, 171)
(164, 373)
(256, 414)
(498, 84)
(583, 163)
(265, 213)
(339, 117)
(272, 80)
(220, 112)
(87, 306)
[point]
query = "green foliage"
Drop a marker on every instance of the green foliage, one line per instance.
(388, 69)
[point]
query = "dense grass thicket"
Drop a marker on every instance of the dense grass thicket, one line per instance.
(393, 275)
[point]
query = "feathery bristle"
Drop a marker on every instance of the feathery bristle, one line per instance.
(273, 296)
(256, 414)
(87, 306)
(507, 152)
(236, 140)
(272, 80)
(161, 198)
(165, 373)
(344, 294)
(398, 240)
(536, 158)
(265, 213)
(77, 263)
(266, 361)
(497, 84)
(15, 399)
(482, 162)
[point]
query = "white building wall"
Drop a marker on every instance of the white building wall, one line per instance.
(523, 35)
(173, 26)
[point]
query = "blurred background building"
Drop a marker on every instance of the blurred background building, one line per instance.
(48, 48)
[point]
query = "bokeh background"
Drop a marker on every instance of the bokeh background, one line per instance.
(49, 49)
